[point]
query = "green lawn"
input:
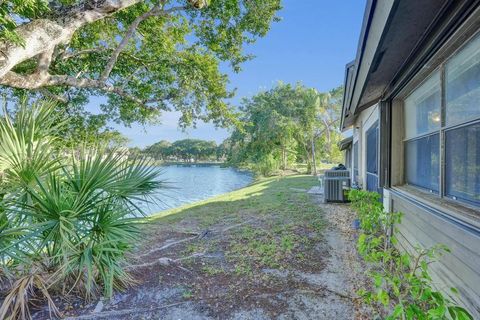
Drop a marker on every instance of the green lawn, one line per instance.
(271, 224)
(263, 195)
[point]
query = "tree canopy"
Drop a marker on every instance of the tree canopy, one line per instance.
(145, 56)
(284, 124)
(185, 150)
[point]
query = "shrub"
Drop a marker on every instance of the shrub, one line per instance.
(402, 284)
(267, 165)
(66, 218)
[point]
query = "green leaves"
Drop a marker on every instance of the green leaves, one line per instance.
(10, 10)
(78, 210)
(403, 286)
(172, 60)
(282, 125)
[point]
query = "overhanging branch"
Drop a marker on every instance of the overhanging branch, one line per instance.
(39, 82)
(155, 11)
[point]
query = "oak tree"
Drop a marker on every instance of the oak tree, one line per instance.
(145, 56)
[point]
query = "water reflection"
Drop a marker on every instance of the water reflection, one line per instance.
(191, 183)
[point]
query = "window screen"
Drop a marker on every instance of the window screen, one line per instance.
(463, 84)
(355, 160)
(422, 108)
(372, 149)
(422, 162)
(462, 163)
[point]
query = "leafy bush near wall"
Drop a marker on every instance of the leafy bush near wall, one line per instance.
(402, 286)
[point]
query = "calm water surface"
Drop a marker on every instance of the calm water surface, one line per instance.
(190, 183)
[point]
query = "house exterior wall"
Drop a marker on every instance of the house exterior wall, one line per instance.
(362, 123)
(429, 216)
(430, 219)
(424, 227)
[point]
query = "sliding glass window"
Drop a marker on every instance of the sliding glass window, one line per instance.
(462, 124)
(355, 162)
(422, 124)
(443, 137)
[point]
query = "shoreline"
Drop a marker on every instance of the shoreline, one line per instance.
(186, 206)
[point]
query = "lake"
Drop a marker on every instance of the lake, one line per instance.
(191, 183)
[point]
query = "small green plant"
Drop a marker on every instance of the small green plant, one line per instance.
(187, 294)
(212, 271)
(402, 284)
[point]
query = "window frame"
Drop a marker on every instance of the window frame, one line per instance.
(443, 127)
(355, 160)
(441, 73)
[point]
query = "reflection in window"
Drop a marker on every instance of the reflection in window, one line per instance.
(462, 163)
(355, 161)
(422, 108)
(422, 162)
(372, 158)
(372, 149)
(463, 84)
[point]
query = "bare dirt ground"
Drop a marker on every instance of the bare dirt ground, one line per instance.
(295, 259)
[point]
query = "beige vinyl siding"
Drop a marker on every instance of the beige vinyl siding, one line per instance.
(461, 267)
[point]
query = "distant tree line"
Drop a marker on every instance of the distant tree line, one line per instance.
(186, 150)
(278, 129)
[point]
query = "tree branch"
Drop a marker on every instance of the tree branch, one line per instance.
(53, 96)
(37, 82)
(155, 11)
(43, 35)
(44, 62)
(69, 55)
(130, 32)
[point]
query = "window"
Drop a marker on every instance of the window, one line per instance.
(372, 149)
(348, 157)
(453, 127)
(355, 161)
(422, 108)
(462, 163)
(463, 84)
(422, 162)
(422, 124)
(372, 158)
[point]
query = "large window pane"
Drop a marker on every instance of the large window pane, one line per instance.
(462, 163)
(422, 108)
(372, 158)
(355, 161)
(422, 162)
(463, 84)
(372, 149)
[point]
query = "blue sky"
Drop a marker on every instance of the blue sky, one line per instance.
(311, 45)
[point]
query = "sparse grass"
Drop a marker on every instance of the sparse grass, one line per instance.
(187, 294)
(282, 223)
(212, 270)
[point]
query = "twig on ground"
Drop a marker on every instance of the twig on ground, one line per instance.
(117, 313)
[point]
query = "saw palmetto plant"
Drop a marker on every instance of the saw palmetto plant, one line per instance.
(67, 217)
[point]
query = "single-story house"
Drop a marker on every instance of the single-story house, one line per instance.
(412, 99)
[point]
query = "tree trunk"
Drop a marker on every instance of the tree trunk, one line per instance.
(308, 158)
(284, 159)
(43, 35)
(314, 160)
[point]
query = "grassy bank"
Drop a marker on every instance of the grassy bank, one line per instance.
(272, 223)
(260, 197)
